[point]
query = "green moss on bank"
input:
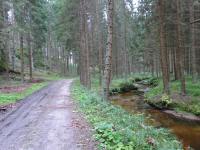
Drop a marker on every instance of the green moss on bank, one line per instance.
(189, 103)
(117, 129)
(129, 84)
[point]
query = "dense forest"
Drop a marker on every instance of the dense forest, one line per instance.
(157, 37)
(152, 43)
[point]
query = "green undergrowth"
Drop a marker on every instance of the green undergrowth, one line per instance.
(116, 129)
(189, 103)
(47, 75)
(14, 80)
(13, 97)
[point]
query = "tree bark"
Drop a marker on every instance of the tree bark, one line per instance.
(193, 50)
(108, 59)
(22, 56)
(84, 46)
(30, 55)
(180, 51)
(6, 40)
(163, 50)
(99, 44)
(13, 51)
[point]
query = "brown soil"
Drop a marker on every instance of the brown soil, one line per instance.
(37, 81)
(46, 120)
(14, 89)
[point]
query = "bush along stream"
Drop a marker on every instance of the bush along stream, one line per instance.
(117, 129)
(163, 110)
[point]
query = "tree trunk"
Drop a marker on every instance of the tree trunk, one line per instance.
(2, 58)
(99, 44)
(108, 59)
(6, 42)
(180, 51)
(30, 55)
(163, 50)
(22, 56)
(13, 51)
(84, 46)
(193, 50)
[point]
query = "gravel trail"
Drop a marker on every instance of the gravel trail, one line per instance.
(46, 120)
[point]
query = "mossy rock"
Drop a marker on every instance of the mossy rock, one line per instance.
(138, 79)
(127, 87)
(153, 82)
(114, 91)
(123, 88)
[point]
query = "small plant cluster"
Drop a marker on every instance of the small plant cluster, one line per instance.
(116, 129)
(106, 134)
(166, 100)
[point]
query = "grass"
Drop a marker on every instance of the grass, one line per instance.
(8, 98)
(190, 105)
(116, 129)
(13, 97)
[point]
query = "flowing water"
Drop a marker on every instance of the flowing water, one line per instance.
(187, 132)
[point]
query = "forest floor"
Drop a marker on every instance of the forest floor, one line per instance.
(13, 90)
(46, 120)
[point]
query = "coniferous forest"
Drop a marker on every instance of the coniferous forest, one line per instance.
(123, 74)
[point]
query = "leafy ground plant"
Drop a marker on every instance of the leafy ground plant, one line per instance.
(116, 129)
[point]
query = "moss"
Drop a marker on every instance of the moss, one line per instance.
(189, 103)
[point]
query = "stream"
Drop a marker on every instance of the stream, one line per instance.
(187, 132)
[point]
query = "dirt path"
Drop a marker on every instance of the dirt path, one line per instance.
(46, 120)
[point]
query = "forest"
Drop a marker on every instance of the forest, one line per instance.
(130, 67)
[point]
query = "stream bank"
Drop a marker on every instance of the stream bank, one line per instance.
(115, 128)
(187, 129)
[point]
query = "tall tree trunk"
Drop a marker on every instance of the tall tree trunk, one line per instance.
(6, 48)
(99, 44)
(1, 36)
(87, 53)
(175, 66)
(30, 55)
(5, 38)
(82, 63)
(108, 59)
(163, 50)
(193, 50)
(127, 61)
(22, 56)
(13, 51)
(180, 51)
(84, 46)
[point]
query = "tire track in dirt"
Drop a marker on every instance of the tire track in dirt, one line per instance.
(44, 121)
